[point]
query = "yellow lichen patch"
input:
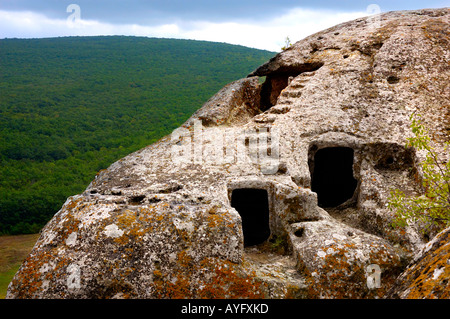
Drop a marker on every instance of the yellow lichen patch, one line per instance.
(334, 275)
(342, 275)
(126, 219)
(27, 281)
(69, 225)
(44, 264)
(136, 223)
(154, 216)
(214, 221)
(72, 203)
(220, 222)
(431, 280)
(229, 281)
(184, 259)
(128, 222)
(214, 217)
(178, 288)
(211, 278)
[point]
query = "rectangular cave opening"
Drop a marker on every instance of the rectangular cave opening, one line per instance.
(253, 207)
(332, 175)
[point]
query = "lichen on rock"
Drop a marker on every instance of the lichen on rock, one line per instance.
(427, 277)
(162, 223)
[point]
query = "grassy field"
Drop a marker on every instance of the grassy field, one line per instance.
(13, 250)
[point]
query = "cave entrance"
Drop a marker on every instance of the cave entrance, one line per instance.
(272, 88)
(277, 81)
(332, 176)
(253, 206)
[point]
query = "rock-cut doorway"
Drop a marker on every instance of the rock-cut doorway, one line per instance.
(332, 176)
(253, 207)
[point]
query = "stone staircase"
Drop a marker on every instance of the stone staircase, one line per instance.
(294, 90)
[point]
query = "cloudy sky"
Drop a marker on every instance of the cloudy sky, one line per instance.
(262, 24)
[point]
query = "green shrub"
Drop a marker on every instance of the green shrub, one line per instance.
(432, 208)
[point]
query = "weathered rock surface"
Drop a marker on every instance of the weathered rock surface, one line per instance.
(172, 220)
(429, 273)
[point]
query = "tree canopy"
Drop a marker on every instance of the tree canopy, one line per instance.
(70, 107)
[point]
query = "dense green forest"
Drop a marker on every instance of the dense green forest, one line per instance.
(70, 107)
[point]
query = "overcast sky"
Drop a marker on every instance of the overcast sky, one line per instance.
(262, 24)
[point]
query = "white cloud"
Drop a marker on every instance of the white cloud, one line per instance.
(268, 34)
(34, 25)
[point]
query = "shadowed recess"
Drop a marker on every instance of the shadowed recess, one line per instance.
(253, 206)
(277, 81)
(332, 176)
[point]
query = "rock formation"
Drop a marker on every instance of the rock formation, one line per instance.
(428, 274)
(275, 188)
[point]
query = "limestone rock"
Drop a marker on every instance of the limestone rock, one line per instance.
(272, 190)
(338, 260)
(429, 274)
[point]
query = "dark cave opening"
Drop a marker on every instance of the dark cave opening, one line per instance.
(332, 176)
(253, 207)
(272, 88)
(279, 80)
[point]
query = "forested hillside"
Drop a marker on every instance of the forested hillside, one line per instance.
(70, 107)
